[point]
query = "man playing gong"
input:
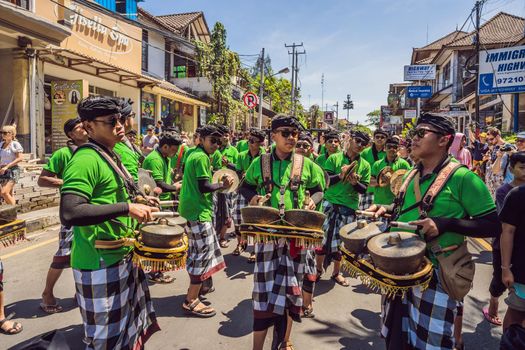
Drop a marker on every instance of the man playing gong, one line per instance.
(279, 267)
(424, 319)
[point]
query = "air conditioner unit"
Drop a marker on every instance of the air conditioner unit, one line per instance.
(467, 74)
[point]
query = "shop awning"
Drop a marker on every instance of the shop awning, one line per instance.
(173, 92)
(16, 21)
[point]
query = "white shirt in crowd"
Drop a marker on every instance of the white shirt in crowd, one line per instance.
(149, 142)
(8, 154)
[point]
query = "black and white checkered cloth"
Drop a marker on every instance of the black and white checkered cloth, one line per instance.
(223, 207)
(278, 278)
(204, 253)
(336, 217)
(310, 265)
(62, 257)
(426, 318)
(1, 276)
(241, 202)
(366, 200)
(115, 306)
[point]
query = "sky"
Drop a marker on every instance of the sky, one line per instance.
(360, 46)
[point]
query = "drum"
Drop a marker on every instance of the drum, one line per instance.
(355, 235)
(398, 253)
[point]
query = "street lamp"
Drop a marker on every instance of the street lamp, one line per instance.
(261, 90)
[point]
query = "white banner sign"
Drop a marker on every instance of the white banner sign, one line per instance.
(410, 113)
(502, 71)
(420, 72)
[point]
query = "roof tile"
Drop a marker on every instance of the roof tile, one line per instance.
(179, 21)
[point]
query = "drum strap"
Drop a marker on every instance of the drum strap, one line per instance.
(135, 149)
(266, 168)
(295, 177)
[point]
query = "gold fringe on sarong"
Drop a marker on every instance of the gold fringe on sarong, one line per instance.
(157, 259)
(12, 232)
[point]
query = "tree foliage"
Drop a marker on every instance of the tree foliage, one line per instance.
(374, 118)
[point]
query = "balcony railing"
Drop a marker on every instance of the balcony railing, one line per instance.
(25, 4)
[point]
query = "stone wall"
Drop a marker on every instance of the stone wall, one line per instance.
(29, 196)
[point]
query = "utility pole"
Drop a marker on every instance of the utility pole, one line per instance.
(261, 88)
(336, 115)
(478, 14)
(295, 72)
(322, 91)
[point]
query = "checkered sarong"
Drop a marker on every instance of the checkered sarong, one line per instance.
(223, 207)
(240, 203)
(426, 318)
(62, 257)
(310, 266)
(115, 306)
(1, 277)
(366, 200)
(278, 278)
(204, 253)
(336, 217)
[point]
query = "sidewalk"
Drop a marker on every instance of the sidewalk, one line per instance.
(40, 219)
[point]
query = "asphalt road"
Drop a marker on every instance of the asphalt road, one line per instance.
(346, 318)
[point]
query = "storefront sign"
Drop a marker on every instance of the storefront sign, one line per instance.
(419, 91)
(65, 96)
(502, 71)
(202, 115)
(329, 118)
(420, 72)
(409, 113)
(147, 111)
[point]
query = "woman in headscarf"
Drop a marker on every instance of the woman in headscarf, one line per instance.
(459, 151)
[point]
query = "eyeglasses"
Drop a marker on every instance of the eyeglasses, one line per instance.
(287, 133)
(254, 140)
(303, 145)
(332, 141)
(116, 118)
(215, 140)
(360, 142)
(391, 146)
(380, 137)
(421, 132)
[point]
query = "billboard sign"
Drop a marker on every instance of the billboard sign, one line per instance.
(502, 71)
(418, 72)
(329, 117)
(419, 91)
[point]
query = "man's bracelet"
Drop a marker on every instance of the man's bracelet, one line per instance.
(506, 267)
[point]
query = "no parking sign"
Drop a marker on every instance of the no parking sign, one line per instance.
(250, 100)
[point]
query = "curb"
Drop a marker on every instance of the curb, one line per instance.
(40, 219)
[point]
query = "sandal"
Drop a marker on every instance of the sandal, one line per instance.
(343, 283)
(308, 312)
(251, 259)
(51, 309)
(14, 328)
(159, 277)
(205, 312)
(223, 243)
(319, 274)
(495, 320)
(237, 251)
(286, 345)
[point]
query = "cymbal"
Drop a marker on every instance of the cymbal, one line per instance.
(145, 182)
(396, 180)
(219, 174)
(384, 176)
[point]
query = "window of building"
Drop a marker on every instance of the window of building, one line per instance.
(22, 3)
(446, 75)
(120, 6)
(145, 44)
(97, 91)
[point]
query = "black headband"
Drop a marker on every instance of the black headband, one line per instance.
(283, 120)
(439, 122)
(125, 107)
(380, 132)
(360, 134)
(70, 125)
(306, 137)
(330, 135)
(209, 130)
(92, 107)
(257, 133)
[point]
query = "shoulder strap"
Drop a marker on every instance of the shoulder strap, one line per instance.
(404, 185)
(117, 166)
(441, 179)
(297, 171)
(266, 169)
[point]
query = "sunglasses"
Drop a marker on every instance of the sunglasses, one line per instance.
(216, 141)
(287, 133)
(421, 132)
(380, 137)
(116, 118)
(390, 146)
(6, 132)
(303, 145)
(360, 142)
(490, 139)
(332, 141)
(254, 140)
(520, 140)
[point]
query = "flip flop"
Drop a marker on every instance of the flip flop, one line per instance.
(190, 309)
(161, 278)
(251, 259)
(51, 309)
(223, 243)
(343, 284)
(13, 330)
(491, 319)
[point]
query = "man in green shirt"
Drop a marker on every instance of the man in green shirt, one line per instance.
(112, 293)
(130, 154)
(277, 297)
(51, 177)
(349, 177)
(383, 195)
(245, 159)
(305, 146)
(463, 207)
(332, 143)
(158, 162)
(242, 145)
(196, 205)
(372, 154)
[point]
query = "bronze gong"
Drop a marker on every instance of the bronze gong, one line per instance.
(398, 253)
(355, 235)
(161, 234)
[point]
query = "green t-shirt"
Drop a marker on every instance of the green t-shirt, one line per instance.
(368, 155)
(245, 159)
(383, 195)
(129, 158)
(160, 170)
(343, 193)
(187, 153)
(179, 157)
(216, 160)
(321, 160)
(194, 205)
(281, 169)
(89, 176)
(58, 161)
(242, 146)
(464, 195)
(230, 153)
